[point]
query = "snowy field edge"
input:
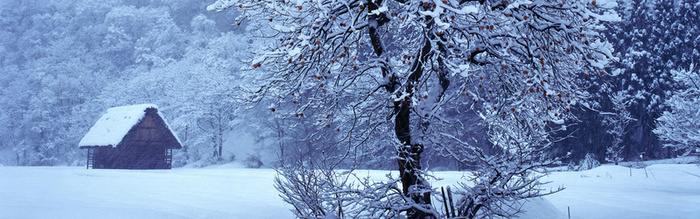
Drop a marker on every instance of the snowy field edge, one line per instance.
(657, 191)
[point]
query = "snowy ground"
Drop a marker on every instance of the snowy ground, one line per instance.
(659, 191)
(663, 191)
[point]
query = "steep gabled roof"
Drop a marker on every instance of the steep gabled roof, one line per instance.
(113, 126)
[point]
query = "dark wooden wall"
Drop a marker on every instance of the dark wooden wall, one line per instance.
(143, 158)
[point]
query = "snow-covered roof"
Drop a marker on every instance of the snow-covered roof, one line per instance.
(111, 128)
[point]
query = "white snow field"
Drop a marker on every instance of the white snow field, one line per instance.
(669, 191)
(658, 191)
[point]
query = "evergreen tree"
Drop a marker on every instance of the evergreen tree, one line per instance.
(654, 38)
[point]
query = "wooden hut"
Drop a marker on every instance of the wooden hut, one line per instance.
(130, 137)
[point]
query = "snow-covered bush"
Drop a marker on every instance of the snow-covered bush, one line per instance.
(589, 162)
(180, 158)
(571, 166)
(208, 161)
(307, 189)
(506, 177)
(253, 161)
(317, 190)
(679, 127)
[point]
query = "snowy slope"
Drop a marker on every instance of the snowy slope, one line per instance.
(670, 191)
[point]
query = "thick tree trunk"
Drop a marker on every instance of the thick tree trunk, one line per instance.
(409, 163)
(409, 154)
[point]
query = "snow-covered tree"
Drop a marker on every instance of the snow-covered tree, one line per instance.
(618, 122)
(196, 91)
(679, 127)
(654, 37)
(48, 68)
(145, 35)
(364, 69)
(588, 163)
(59, 58)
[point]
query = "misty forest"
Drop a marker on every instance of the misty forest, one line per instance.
(316, 90)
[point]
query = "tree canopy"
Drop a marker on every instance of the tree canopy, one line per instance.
(363, 68)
